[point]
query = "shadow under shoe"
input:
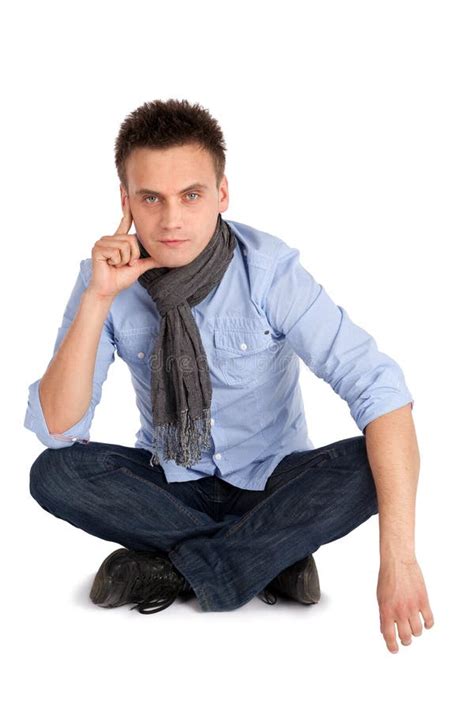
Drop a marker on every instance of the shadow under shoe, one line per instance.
(300, 582)
(146, 578)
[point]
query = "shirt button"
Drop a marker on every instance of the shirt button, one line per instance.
(212, 420)
(74, 439)
(141, 354)
(218, 455)
(243, 346)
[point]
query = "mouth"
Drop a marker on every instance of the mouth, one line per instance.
(174, 242)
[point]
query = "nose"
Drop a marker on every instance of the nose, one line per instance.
(171, 217)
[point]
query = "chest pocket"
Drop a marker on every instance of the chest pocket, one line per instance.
(243, 352)
(136, 346)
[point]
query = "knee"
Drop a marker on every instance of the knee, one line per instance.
(44, 475)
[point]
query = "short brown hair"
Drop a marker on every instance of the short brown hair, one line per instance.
(163, 124)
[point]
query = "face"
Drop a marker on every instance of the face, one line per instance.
(173, 196)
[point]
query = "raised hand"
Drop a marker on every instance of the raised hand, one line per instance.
(116, 262)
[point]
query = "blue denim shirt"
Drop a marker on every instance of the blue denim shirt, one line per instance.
(266, 313)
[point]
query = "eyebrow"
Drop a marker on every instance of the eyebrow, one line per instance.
(142, 191)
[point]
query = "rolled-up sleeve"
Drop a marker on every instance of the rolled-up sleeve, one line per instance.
(34, 417)
(334, 347)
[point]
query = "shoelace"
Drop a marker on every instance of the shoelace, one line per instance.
(157, 589)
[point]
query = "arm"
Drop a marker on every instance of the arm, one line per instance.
(347, 358)
(335, 348)
(394, 460)
(65, 389)
(61, 405)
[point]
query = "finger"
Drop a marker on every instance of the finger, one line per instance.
(135, 250)
(115, 255)
(427, 616)
(108, 243)
(127, 219)
(404, 631)
(124, 254)
(126, 243)
(146, 263)
(415, 624)
(388, 631)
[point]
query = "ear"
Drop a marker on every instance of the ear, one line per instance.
(123, 195)
(223, 194)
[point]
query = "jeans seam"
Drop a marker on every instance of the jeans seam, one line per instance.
(324, 456)
(257, 507)
(168, 495)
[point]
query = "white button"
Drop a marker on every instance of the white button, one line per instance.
(141, 354)
(243, 346)
(218, 456)
(212, 420)
(74, 439)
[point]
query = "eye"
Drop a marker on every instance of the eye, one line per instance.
(155, 197)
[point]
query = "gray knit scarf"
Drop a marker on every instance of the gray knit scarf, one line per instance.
(181, 388)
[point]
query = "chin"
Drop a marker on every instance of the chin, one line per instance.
(177, 262)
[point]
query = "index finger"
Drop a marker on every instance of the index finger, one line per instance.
(126, 221)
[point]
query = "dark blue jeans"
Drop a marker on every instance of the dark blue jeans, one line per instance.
(227, 542)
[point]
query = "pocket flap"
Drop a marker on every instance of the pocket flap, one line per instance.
(242, 342)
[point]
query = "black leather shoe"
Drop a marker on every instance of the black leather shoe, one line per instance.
(143, 577)
(300, 582)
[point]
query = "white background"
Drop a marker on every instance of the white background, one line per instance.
(349, 130)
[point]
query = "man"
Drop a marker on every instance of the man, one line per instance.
(212, 316)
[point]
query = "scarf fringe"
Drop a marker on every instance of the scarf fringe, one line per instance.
(184, 440)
